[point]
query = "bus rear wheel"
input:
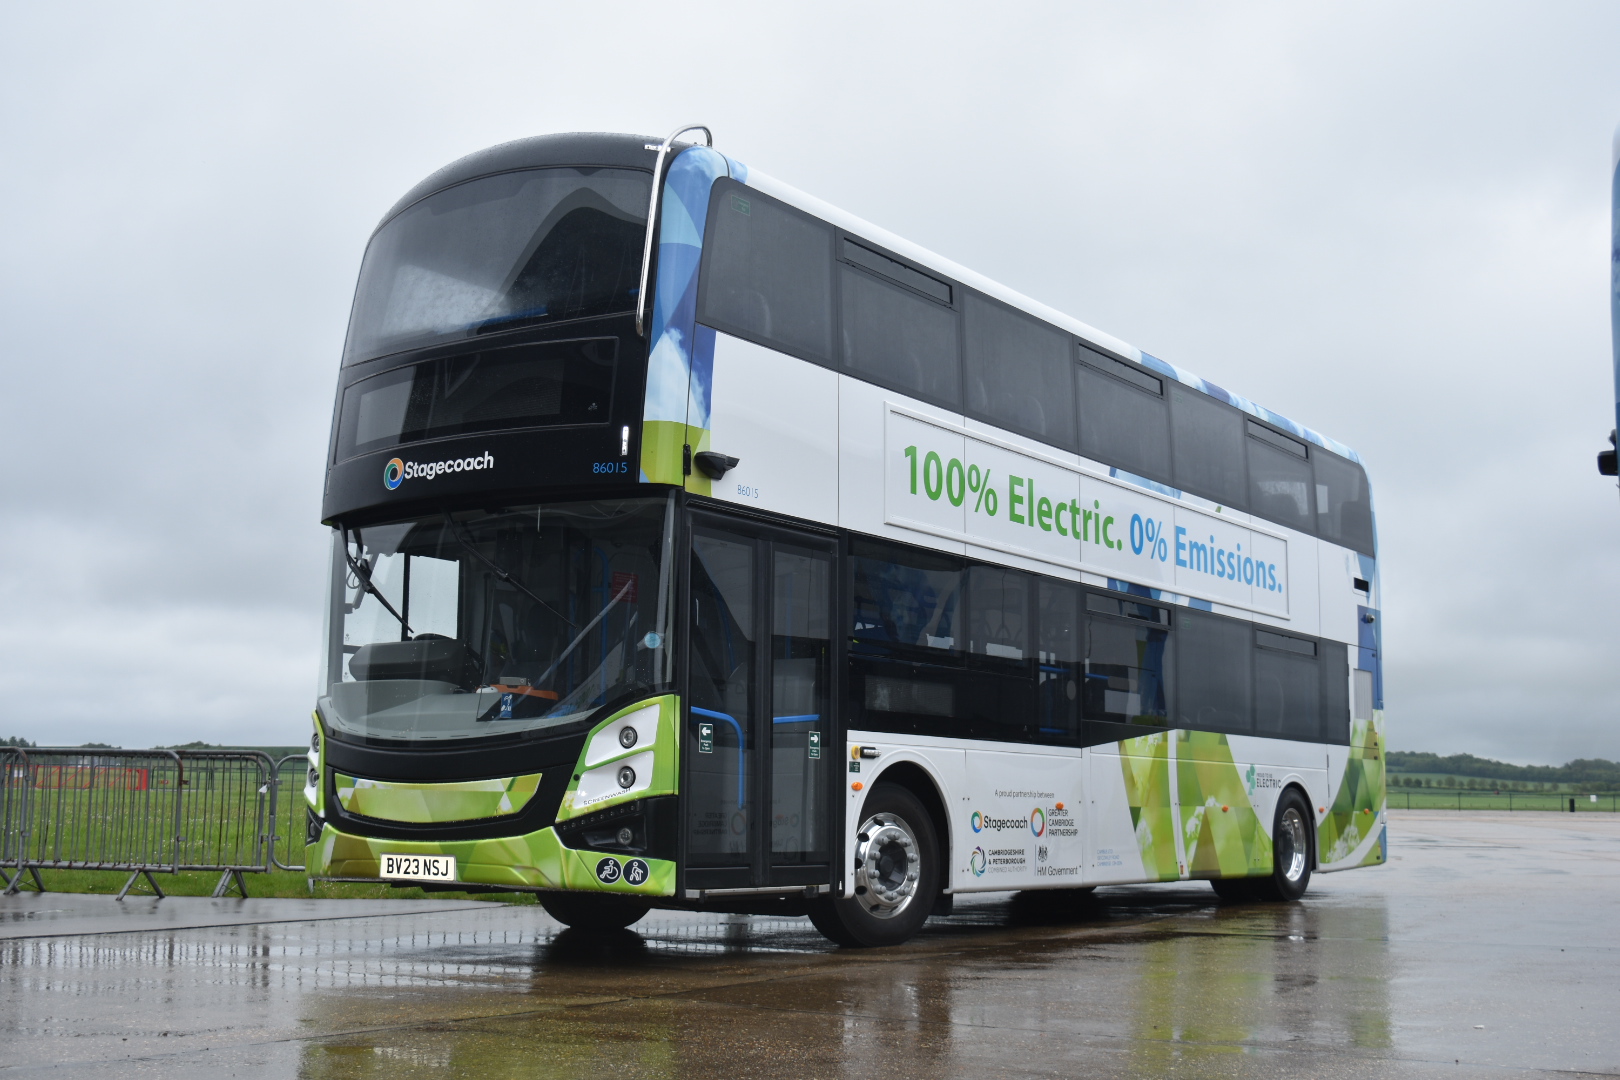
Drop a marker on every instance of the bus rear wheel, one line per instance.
(593, 911)
(1291, 860)
(897, 874)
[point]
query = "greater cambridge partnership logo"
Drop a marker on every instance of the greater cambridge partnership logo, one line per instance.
(396, 472)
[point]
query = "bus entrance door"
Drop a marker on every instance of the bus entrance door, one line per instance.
(759, 622)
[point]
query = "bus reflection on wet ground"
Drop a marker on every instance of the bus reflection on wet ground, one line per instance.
(1487, 943)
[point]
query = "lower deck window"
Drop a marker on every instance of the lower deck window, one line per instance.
(946, 646)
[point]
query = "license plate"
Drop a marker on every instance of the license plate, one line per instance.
(419, 867)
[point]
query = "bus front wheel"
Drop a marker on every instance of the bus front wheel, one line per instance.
(593, 911)
(897, 874)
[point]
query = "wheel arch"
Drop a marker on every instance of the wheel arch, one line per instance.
(914, 778)
(1295, 784)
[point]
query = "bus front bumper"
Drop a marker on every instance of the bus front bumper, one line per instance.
(536, 860)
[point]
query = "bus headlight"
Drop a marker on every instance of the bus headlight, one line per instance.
(627, 777)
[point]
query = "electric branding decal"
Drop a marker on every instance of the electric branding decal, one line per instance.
(396, 472)
(941, 480)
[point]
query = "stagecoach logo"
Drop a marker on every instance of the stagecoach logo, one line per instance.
(986, 823)
(396, 472)
(1037, 822)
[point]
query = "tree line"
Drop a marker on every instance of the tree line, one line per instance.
(1586, 772)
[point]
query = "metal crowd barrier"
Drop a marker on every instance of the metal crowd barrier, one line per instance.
(143, 812)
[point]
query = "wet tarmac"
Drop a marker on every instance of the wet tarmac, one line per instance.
(1490, 946)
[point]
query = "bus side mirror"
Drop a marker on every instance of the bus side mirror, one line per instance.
(714, 465)
(1607, 465)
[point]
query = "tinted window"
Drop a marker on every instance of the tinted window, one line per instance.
(1280, 486)
(1343, 510)
(906, 602)
(1062, 651)
(1018, 372)
(1335, 692)
(533, 246)
(562, 382)
(1213, 691)
(1126, 668)
(1127, 609)
(895, 270)
(998, 611)
(1207, 440)
(894, 336)
(1120, 424)
(767, 273)
(1287, 688)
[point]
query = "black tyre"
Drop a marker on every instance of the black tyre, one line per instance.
(1291, 857)
(897, 874)
(593, 911)
(1291, 847)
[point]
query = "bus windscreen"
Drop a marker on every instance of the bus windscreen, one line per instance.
(516, 249)
(457, 626)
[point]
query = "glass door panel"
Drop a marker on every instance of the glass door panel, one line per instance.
(723, 687)
(801, 659)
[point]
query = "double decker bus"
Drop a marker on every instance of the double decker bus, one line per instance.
(696, 544)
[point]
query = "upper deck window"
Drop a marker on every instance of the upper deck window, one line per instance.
(896, 338)
(1206, 441)
(768, 274)
(1018, 372)
(1343, 510)
(1124, 420)
(538, 245)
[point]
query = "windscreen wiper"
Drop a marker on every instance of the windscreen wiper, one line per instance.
(457, 528)
(362, 574)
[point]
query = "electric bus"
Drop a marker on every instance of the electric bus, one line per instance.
(698, 545)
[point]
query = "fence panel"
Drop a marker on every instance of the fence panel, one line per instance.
(224, 811)
(136, 811)
(1505, 799)
(289, 810)
(93, 809)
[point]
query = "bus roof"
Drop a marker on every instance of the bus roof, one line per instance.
(613, 150)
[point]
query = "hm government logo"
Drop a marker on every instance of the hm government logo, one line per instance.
(396, 472)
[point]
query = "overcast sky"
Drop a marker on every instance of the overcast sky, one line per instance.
(1387, 221)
